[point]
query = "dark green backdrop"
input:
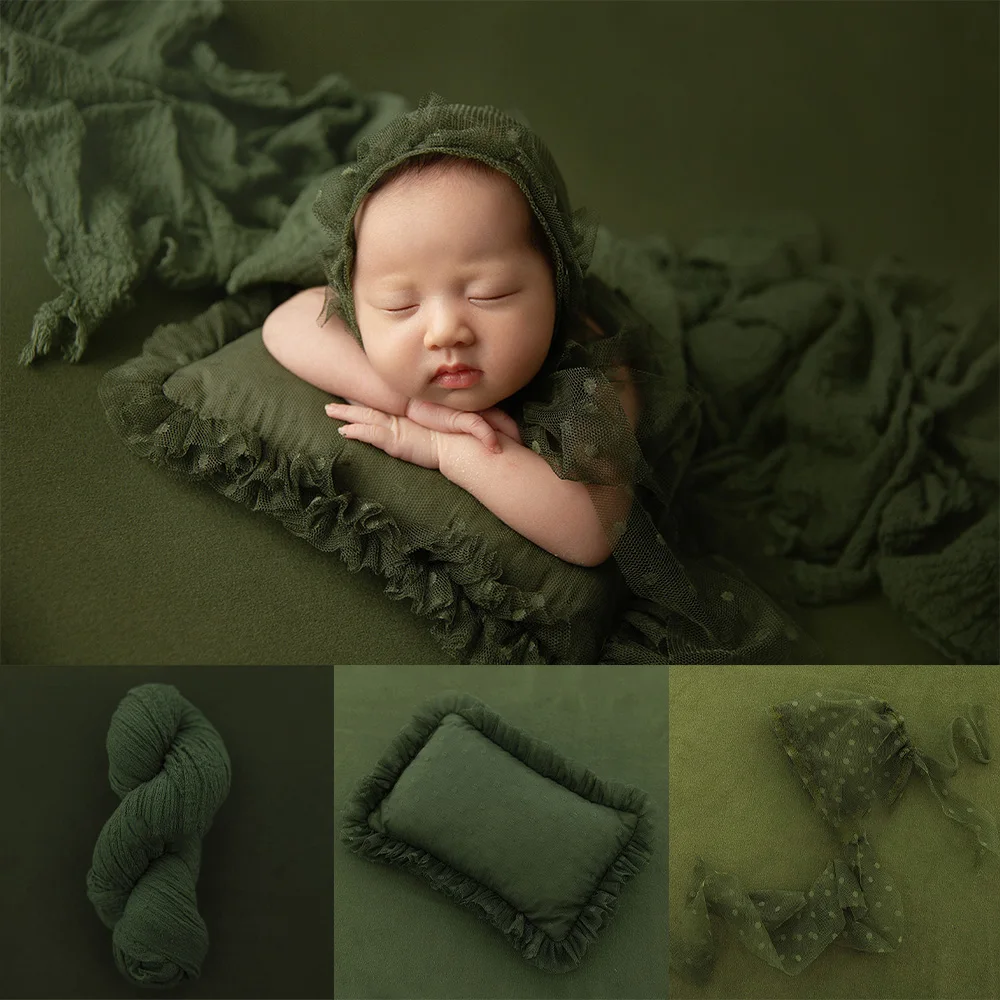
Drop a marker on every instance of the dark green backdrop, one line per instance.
(880, 120)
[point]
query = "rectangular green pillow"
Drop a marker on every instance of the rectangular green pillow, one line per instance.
(531, 841)
(206, 399)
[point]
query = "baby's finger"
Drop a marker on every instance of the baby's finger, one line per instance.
(478, 427)
(503, 421)
(345, 411)
(433, 416)
(437, 416)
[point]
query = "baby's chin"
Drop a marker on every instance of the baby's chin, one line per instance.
(461, 399)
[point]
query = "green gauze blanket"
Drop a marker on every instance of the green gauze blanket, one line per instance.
(144, 154)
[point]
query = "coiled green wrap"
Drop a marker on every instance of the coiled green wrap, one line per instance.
(170, 768)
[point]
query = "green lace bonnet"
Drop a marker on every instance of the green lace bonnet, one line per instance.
(850, 751)
(478, 132)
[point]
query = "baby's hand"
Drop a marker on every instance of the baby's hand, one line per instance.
(482, 425)
(396, 436)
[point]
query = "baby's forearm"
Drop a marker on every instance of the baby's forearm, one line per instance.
(326, 356)
(523, 491)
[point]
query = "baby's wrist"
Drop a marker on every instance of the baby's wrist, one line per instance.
(458, 454)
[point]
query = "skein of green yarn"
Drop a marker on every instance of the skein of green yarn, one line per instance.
(170, 768)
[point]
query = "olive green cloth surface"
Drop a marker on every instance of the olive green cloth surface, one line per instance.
(265, 884)
(395, 936)
(737, 802)
(76, 589)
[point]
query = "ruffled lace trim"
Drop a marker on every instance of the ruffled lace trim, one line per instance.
(534, 944)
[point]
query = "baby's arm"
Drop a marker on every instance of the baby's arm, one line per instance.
(521, 489)
(326, 356)
(329, 358)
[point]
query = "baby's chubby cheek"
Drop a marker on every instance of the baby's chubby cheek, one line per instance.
(401, 378)
(388, 368)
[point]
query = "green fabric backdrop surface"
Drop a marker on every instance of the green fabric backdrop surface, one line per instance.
(396, 937)
(705, 112)
(736, 801)
(266, 885)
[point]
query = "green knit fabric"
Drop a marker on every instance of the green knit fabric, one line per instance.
(170, 768)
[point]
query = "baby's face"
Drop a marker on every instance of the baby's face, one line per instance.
(432, 249)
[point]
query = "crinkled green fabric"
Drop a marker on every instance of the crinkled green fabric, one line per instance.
(529, 840)
(147, 157)
(840, 421)
(849, 751)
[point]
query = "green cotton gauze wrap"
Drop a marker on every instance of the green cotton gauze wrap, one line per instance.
(170, 768)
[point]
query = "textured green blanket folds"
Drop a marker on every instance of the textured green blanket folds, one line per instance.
(529, 840)
(170, 768)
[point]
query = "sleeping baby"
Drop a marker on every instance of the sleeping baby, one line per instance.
(464, 328)
(455, 299)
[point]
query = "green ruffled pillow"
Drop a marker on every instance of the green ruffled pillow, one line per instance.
(206, 399)
(530, 841)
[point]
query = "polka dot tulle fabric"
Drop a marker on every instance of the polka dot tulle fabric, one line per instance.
(849, 751)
